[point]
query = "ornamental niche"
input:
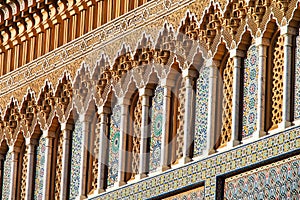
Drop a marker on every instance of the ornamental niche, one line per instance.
(12, 120)
(46, 104)
(29, 113)
(235, 12)
(211, 25)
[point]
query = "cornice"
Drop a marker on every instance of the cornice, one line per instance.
(93, 41)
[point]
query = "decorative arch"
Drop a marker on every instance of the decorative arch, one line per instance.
(275, 69)
(250, 91)
(224, 92)
(46, 105)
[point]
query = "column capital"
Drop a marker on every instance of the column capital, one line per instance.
(262, 41)
(14, 149)
(237, 53)
(124, 101)
(189, 73)
(85, 117)
(288, 30)
(213, 63)
(31, 141)
(237, 61)
(48, 134)
(66, 126)
(145, 91)
(104, 110)
(166, 82)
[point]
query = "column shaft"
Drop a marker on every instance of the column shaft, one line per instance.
(145, 133)
(262, 65)
(287, 78)
(166, 129)
(122, 147)
(103, 147)
(14, 173)
(2, 157)
(84, 119)
(66, 133)
(212, 127)
(48, 163)
(236, 101)
(188, 116)
(31, 145)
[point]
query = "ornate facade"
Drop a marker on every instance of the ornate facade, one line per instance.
(158, 99)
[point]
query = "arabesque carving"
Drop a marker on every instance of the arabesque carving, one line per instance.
(164, 45)
(11, 120)
(63, 97)
(123, 63)
(46, 105)
(227, 103)
(82, 89)
(65, 59)
(257, 9)
(136, 138)
(211, 25)
(28, 112)
(235, 12)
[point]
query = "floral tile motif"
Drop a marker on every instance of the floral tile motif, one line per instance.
(156, 128)
(297, 81)
(206, 170)
(194, 194)
(250, 92)
(7, 176)
(39, 169)
(75, 160)
(275, 181)
(201, 111)
(114, 142)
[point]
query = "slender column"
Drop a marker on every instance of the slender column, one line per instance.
(288, 34)
(188, 138)
(145, 132)
(49, 137)
(123, 134)
(14, 172)
(109, 10)
(66, 133)
(261, 44)
(31, 144)
(136, 3)
(2, 157)
(166, 128)
(85, 120)
(213, 101)
(103, 129)
(236, 99)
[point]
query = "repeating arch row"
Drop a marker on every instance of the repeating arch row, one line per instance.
(131, 78)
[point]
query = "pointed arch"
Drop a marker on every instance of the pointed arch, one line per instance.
(275, 69)
(249, 89)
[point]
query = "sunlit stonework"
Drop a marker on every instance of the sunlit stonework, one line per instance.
(149, 99)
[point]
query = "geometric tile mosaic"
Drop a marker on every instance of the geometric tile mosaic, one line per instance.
(250, 92)
(40, 169)
(201, 111)
(193, 194)
(76, 159)
(280, 180)
(156, 128)
(204, 171)
(297, 80)
(114, 140)
(7, 176)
